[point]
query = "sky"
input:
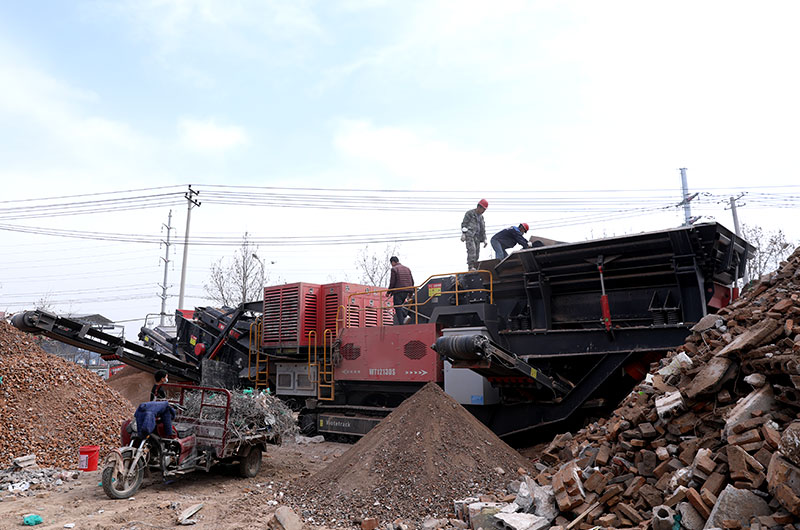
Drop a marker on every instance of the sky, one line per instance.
(571, 116)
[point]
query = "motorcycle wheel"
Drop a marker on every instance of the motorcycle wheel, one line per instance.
(115, 485)
(250, 462)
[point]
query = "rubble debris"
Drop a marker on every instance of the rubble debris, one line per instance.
(51, 407)
(285, 518)
(426, 453)
(710, 435)
(663, 517)
(185, 517)
(23, 462)
(29, 481)
(737, 505)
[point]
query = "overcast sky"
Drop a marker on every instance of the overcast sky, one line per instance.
(537, 101)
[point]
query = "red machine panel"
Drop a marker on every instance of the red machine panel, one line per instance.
(290, 312)
(364, 310)
(389, 353)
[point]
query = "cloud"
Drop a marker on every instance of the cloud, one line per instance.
(209, 27)
(419, 158)
(60, 120)
(208, 136)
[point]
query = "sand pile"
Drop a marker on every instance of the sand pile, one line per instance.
(426, 453)
(51, 407)
(132, 384)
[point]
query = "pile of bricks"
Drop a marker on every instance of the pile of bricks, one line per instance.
(50, 407)
(709, 438)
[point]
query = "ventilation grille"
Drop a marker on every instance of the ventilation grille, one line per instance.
(353, 315)
(281, 314)
(415, 350)
(350, 351)
(371, 317)
(309, 313)
(331, 305)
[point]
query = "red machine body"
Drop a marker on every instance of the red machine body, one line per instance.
(389, 354)
(290, 313)
(362, 310)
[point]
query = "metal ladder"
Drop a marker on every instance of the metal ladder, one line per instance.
(255, 357)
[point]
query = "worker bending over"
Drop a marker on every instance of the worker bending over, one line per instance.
(473, 233)
(509, 238)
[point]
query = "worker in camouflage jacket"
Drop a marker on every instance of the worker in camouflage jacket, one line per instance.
(473, 233)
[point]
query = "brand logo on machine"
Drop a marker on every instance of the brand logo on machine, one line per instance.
(382, 371)
(434, 289)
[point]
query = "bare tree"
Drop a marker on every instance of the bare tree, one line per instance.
(44, 303)
(373, 266)
(770, 249)
(236, 279)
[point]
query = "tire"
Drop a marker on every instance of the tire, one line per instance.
(114, 486)
(250, 462)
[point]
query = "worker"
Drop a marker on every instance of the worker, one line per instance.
(400, 277)
(473, 233)
(148, 414)
(157, 393)
(509, 238)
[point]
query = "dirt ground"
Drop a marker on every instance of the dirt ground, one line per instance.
(230, 502)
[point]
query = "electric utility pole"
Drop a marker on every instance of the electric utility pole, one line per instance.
(735, 213)
(191, 203)
(687, 209)
(166, 260)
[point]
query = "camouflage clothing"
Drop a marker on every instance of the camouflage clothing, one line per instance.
(473, 230)
(473, 252)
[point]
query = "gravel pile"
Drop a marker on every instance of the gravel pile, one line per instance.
(426, 453)
(51, 407)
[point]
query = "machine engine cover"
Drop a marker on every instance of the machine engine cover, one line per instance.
(389, 353)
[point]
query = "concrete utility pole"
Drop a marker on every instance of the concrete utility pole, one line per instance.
(687, 209)
(735, 213)
(166, 260)
(191, 203)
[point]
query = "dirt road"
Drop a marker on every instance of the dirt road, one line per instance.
(229, 502)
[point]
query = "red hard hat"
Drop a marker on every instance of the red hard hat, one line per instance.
(524, 226)
(484, 203)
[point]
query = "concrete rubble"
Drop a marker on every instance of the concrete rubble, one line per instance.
(711, 436)
(50, 407)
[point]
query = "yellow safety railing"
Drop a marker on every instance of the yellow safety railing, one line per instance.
(323, 375)
(312, 352)
(416, 303)
(326, 377)
(254, 356)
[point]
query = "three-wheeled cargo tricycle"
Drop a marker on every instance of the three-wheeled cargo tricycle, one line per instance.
(200, 438)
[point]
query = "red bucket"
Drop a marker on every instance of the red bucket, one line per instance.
(87, 460)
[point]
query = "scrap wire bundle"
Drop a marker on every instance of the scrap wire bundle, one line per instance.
(250, 414)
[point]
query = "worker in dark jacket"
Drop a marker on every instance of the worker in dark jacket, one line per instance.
(400, 277)
(148, 413)
(157, 393)
(509, 238)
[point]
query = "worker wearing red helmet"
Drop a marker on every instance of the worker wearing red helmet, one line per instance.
(509, 238)
(473, 233)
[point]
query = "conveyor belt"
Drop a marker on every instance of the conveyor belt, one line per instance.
(480, 354)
